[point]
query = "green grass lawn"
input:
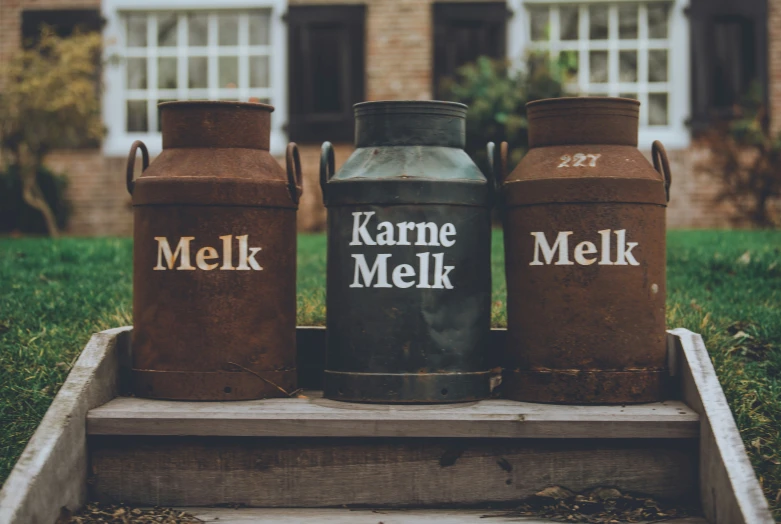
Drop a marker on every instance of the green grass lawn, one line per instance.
(725, 285)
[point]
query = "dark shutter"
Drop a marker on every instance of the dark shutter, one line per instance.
(729, 55)
(326, 71)
(465, 31)
(63, 21)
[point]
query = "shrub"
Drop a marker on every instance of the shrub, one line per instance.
(497, 95)
(17, 216)
(746, 158)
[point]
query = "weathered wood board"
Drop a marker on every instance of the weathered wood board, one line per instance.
(729, 490)
(315, 416)
(368, 516)
(301, 472)
(52, 471)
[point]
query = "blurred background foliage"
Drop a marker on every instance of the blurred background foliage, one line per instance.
(745, 156)
(497, 94)
(50, 99)
(18, 217)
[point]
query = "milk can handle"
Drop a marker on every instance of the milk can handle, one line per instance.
(293, 160)
(131, 163)
(659, 155)
(498, 173)
(326, 164)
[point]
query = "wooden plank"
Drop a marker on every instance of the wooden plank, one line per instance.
(317, 472)
(371, 516)
(315, 416)
(729, 490)
(52, 471)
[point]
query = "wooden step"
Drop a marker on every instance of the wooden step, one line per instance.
(368, 516)
(314, 416)
(314, 452)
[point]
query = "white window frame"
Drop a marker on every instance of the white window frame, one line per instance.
(117, 141)
(676, 134)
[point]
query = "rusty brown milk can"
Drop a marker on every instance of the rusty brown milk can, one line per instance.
(214, 257)
(584, 218)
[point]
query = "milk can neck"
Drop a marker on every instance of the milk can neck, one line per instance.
(587, 120)
(410, 123)
(205, 124)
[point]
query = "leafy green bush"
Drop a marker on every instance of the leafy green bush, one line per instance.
(17, 215)
(497, 95)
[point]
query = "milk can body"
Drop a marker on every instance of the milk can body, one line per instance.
(408, 284)
(585, 251)
(214, 258)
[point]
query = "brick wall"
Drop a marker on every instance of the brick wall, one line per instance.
(774, 62)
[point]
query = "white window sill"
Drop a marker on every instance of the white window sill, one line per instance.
(671, 138)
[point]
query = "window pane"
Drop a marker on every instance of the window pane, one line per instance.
(568, 62)
(166, 73)
(598, 22)
(627, 66)
(228, 71)
(633, 96)
(540, 23)
(657, 20)
(627, 22)
(166, 29)
(228, 29)
(657, 109)
(569, 18)
(657, 65)
(259, 28)
(136, 30)
(197, 72)
(197, 29)
(136, 73)
(136, 116)
(258, 71)
(598, 65)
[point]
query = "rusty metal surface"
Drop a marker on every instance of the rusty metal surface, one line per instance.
(407, 337)
(586, 324)
(215, 320)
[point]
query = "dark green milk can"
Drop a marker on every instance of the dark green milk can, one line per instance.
(409, 238)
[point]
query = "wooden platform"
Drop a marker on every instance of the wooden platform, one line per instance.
(314, 416)
(314, 452)
(308, 456)
(346, 516)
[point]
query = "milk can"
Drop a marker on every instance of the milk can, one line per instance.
(584, 216)
(214, 257)
(409, 235)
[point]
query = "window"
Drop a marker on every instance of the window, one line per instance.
(463, 32)
(221, 55)
(326, 71)
(611, 50)
(628, 48)
(189, 54)
(729, 55)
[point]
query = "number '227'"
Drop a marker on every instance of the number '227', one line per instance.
(579, 160)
